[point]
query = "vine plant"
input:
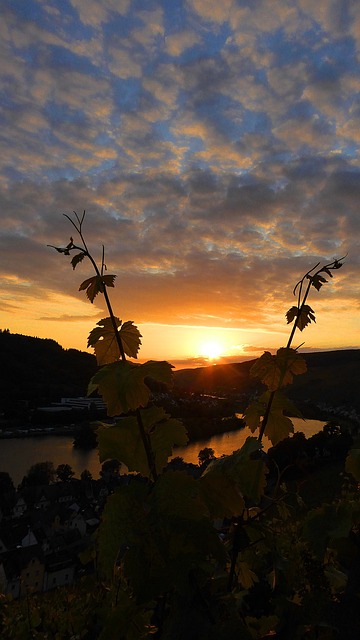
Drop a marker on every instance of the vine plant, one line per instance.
(278, 371)
(170, 572)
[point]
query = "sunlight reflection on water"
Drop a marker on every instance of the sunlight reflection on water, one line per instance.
(17, 455)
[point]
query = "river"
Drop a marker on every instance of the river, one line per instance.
(17, 455)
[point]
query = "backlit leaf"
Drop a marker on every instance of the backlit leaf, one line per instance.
(221, 495)
(278, 426)
(278, 370)
(165, 436)
(123, 441)
(245, 575)
(130, 338)
(122, 385)
(103, 340)
(244, 468)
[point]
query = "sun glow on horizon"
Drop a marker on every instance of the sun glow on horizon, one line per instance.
(212, 349)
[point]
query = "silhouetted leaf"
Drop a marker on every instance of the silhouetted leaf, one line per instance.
(96, 284)
(317, 281)
(76, 259)
(307, 315)
(291, 314)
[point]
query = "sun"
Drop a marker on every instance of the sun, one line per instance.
(211, 350)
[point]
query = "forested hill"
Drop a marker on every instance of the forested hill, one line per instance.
(332, 377)
(40, 370)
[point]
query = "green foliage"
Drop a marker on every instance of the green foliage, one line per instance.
(278, 425)
(124, 442)
(279, 370)
(104, 340)
(122, 384)
(274, 567)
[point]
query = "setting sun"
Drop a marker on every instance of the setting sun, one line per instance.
(211, 350)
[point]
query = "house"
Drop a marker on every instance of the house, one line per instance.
(19, 507)
(32, 570)
(60, 571)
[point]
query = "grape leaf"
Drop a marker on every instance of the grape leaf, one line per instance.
(305, 316)
(177, 494)
(248, 473)
(123, 524)
(104, 342)
(130, 338)
(245, 575)
(123, 441)
(76, 259)
(278, 370)
(278, 426)
(326, 523)
(122, 385)
(291, 314)
(166, 435)
(95, 285)
(159, 536)
(221, 495)
(317, 281)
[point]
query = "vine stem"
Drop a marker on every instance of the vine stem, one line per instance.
(300, 305)
(289, 342)
(145, 440)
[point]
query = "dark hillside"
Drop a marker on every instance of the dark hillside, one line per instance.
(39, 370)
(332, 378)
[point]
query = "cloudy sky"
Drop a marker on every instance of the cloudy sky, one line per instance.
(215, 148)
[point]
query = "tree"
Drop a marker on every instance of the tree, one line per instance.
(110, 469)
(86, 476)
(64, 472)
(206, 455)
(6, 483)
(39, 474)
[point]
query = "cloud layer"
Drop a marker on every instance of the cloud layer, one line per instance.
(214, 146)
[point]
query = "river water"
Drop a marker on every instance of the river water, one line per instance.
(17, 455)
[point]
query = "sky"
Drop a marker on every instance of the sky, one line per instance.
(215, 149)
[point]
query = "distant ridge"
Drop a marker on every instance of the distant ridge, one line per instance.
(333, 377)
(39, 370)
